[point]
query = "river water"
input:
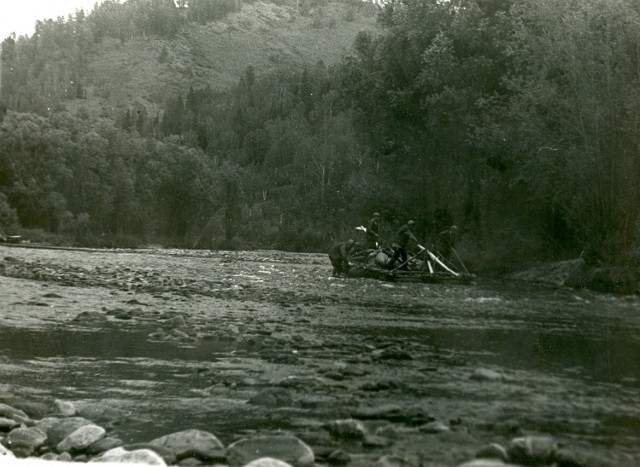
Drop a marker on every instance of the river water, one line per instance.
(496, 358)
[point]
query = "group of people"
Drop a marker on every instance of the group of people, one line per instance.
(341, 253)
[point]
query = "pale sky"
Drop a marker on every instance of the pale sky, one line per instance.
(20, 16)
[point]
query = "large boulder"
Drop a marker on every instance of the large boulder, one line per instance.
(267, 462)
(7, 411)
(104, 444)
(285, 448)
(168, 455)
(192, 443)
(81, 438)
(25, 441)
(58, 429)
(7, 424)
(122, 456)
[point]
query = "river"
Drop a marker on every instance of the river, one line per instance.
(149, 342)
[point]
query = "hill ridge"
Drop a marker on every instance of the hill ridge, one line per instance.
(263, 35)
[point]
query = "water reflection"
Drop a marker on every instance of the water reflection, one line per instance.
(607, 357)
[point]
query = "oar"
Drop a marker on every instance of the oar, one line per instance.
(458, 256)
(437, 260)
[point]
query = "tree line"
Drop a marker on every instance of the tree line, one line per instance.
(517, 120)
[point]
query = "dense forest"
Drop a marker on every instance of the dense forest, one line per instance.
(517, 120)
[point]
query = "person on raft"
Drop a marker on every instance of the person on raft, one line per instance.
(372, 234)
(400, 242)
(339, 256)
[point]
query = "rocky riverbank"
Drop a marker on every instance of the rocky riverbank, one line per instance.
(577, 274)
(65, 435)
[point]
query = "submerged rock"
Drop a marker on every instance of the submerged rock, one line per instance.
(492, 451)
(350, 429)
(434, 427)
(532, 450)
(338, 457)
(484, 374)
(413, 416)
(272, 397)
(88, 317)
(376, 441)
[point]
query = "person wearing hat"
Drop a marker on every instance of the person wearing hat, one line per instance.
(372, 234)
(400, 242)
(339, 256)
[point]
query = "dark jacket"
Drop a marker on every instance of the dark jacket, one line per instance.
(373, 229)
(403, 235)
(340, 250)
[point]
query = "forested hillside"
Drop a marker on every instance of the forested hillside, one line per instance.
(517, 120)
(134, 53)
